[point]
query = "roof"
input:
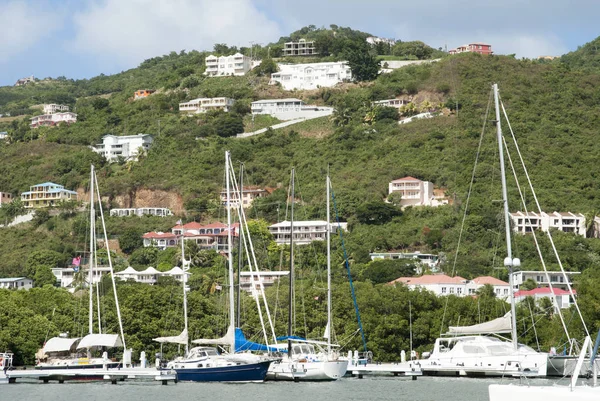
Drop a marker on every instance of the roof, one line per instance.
(286, 223)
(489, 280)
(542, 291)
(429, 279)
(479, 43)
(47, 184)
(150, 270)
(291, 99)
(158, 235)
(12, 279)
(407, 178)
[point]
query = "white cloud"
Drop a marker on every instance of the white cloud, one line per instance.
(23, 24)
(131, 31)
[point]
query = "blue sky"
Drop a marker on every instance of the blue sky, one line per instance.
(83, 38)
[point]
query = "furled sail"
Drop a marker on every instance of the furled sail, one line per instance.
(500, 325)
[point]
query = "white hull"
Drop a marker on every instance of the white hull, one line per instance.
(531, 365)
(307, 371)
(563, 366)
(501, 392)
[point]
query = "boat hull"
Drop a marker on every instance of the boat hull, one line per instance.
(504, 392)
(530, 365)
(562, 366)
(307, 371)
(111, 365)
(251, 372)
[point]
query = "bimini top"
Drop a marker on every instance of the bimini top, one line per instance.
(58, 344)
(496, 326)
(100, 340)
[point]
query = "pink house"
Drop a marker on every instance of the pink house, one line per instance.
(207, 236)
(477, 47)
(563, 298)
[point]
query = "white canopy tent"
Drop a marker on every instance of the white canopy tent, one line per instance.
(59, 344)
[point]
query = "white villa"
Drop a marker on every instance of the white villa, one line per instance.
(237, 65)
(396, 103)
(248, 195)
(65, 276)
(46, 195)
(560, 298)
(567, 222)
(209, 236)
(127, 147)
(150, 275)
(16, 283)
(305, 232)
(414, 192)
(289, 109)
(53, 119)
(425, 259)
(300, 48)
(556, 278)
(267, 278)
(311, 76)
(202, 105)
(55, 108)
(441, 284)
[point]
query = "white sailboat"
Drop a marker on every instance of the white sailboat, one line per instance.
(470, 351)
(306, 360)
(78, 353)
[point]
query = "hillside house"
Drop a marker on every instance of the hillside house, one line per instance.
(311, 76)
(47, 194)
(55, 108)
(127, 147)
(300, 48)
(289, 109)
(142, 93)
(430, 261)
(524, 223)
(5, 197)
(237, 65)
(25, 81)
(249, 193)
(267, 278)
(560, 298)
(141, 211)
(16, 283)
(395, 103)
(414, 192)
(206, 236)
(202, 105)
(441, 284)
(305, 232)
(53, 119)
(557, 279)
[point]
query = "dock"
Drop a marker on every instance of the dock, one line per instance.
(110, 375)
(405, 369)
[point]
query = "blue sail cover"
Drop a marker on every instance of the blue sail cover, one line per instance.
(243, 344)
(285, 338)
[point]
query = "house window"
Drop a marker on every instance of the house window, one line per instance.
(451, 290)
(443, 290)
(459, 291)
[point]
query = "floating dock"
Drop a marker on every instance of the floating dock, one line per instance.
(109, 375)
(407, 369)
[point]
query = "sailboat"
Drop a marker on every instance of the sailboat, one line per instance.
(63, 352)
(470, 350)
(205, 363)
(306, 360)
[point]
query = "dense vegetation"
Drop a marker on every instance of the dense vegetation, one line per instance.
(553, 108)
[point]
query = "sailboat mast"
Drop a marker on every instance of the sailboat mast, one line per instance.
(229, 255)
(91, 253)
(183, 280)
(240, 244)
(291, 293)
(508, 261)
(329, 322)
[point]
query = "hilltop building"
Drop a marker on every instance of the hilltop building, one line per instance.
(249, 193)
(5, 197)
(47, 194)
(25, 81)
(414, 192)
(557, 279)
(16, 283)
(300, 48)
(568, 222)
(236, 65)
(289, 109)
(477, 47)
(441, 284)
(55, 108)
(141, 211)
(429, 260)
(267, 278)
(127, 147)
(202, 105)
(311, 76)
(396, 103)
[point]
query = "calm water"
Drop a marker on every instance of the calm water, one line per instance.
(347, 389)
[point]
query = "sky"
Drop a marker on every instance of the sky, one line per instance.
(84, 38)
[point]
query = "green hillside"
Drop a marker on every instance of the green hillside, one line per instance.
(553, 109)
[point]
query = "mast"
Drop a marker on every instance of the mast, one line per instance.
(229, 255)
(291, 293)
(240, 256)
(509, 262)
(91, 253)
(329, 323)
(185, 314)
